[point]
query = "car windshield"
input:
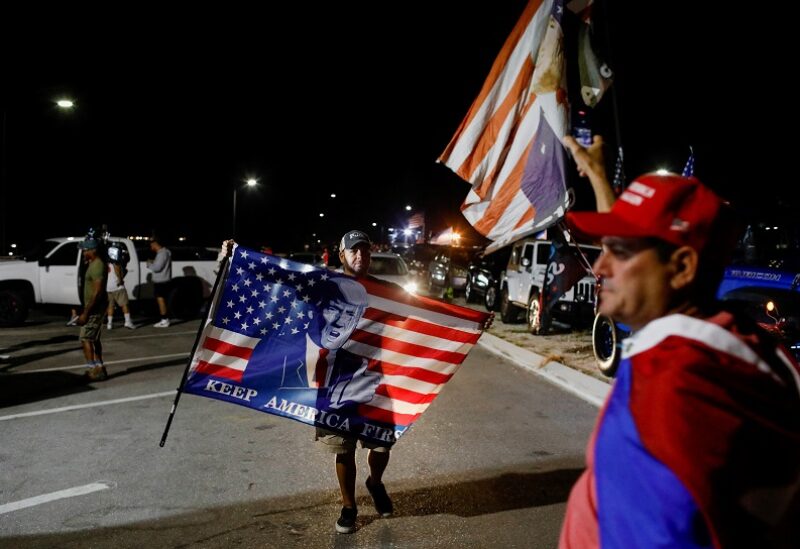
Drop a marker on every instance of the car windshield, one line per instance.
(387, 266)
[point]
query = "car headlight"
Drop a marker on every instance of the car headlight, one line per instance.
(410, 287)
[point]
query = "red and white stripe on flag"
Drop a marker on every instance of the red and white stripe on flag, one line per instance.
(223, 353)
(416, 344)
(416, 220)
(490, 149)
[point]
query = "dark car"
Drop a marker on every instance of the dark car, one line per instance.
(483, 278)
(448, 269)
(418, 256)
(309, 258)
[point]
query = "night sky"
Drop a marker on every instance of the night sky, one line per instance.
(176, 108)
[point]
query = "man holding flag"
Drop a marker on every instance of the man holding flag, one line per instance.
(353, 356)
(355, 255)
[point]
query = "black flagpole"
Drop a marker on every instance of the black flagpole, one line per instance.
(614, 104)
(222, 269)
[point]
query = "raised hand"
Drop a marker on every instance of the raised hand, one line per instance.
(354, 388)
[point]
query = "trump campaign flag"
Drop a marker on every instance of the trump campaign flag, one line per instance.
(565, 267)
(358, 356)
(509, 145)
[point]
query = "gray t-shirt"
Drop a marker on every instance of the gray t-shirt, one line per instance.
(161, 267)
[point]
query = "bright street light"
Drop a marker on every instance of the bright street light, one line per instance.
(408, 208)
(62, 103)
(251, 182)
(662, 171)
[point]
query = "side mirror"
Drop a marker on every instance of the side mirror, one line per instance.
(526, 262)
(44, 262)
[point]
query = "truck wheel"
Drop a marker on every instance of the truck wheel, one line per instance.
(532, 314)
(508, 311)
(13, 308)
(605, 345)
(185, 301)
(490, 299)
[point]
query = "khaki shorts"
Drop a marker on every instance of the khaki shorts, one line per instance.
(337, 443)
(118, 297)
(91, 330)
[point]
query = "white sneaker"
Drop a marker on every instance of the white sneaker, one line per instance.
(109, 326)
(73, 321)
(130, 326)
(163, 323)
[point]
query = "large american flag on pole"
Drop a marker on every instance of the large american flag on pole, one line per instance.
(272, 342)
(509, 145)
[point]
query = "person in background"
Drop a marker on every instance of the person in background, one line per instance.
(95, 300)
(161, 267)
(117, 294)
(698, 443)
(325, 255)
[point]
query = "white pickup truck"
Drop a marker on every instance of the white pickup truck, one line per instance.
(51, 275)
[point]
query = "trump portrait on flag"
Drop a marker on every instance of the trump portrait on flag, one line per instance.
(361, 357)
(334, 376)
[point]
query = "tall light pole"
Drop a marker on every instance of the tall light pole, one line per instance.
(63, 104)
(250, 183)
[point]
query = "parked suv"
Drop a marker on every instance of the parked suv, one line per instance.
(448, 269)
(523, 281)
(483, 278)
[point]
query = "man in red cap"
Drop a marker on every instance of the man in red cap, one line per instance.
(698, 444)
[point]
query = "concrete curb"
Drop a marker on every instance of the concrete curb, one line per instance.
(586, 387)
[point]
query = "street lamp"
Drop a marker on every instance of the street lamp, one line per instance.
(250, 183)
(64, 104)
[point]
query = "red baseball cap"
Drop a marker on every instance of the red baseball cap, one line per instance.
(680, 210)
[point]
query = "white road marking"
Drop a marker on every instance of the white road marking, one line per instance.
(90, 405)
(123, 361)
(61, 494)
